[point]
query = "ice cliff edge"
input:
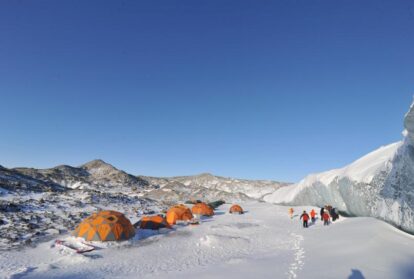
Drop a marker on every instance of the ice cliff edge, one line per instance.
(380, 184)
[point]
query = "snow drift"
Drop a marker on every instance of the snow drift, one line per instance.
(380, 184)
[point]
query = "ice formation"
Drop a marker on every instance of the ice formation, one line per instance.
(380, 184)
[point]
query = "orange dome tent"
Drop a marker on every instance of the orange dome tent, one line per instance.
(105, 226)
(153, 223)
(236, 209)
(177, 213)
(202, 209)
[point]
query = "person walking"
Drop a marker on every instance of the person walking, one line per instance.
(305, 218)
(321, 213)
(326, 218)
(334, 214)
(291, 211)
(313, 215)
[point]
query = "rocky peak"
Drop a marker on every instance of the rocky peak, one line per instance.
(100, 168)
(102, 172)
(98, 163)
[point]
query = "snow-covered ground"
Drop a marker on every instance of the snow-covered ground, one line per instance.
(263, 243)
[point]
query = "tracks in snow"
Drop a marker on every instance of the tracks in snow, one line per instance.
(299, 255)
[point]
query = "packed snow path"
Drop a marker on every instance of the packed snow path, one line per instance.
(263, 243)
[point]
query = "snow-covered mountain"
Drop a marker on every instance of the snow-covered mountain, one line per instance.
(254, 189)
(37, 202)
(92, 175)
(209, 187)
(380, 184)
(101, 176)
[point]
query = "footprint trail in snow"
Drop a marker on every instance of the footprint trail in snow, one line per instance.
(299, 255)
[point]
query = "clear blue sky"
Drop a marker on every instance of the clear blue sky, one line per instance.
(251, 89)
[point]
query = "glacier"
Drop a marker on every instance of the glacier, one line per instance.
(380, 184)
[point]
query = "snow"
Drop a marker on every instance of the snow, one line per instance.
(251, 189)
(409, 125)
(362, 170)
(74, 185)
(365, 169)
(263, 243)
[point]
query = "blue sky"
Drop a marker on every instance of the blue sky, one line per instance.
(251, 89)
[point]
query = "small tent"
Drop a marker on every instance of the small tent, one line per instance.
(236, 209)
(178, 213)
(153, 223)
(105, 226)
(202, 209)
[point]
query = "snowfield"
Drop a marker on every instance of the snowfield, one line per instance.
(263, 243)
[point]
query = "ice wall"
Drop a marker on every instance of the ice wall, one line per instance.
(380, 184)
(409, 126)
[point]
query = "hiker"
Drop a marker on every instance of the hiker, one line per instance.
(322, 211)
(305, 218)
(313, 215)
(291, 211)
(326, 218)
(334, 214)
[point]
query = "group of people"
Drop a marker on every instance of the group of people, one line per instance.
(327, 212)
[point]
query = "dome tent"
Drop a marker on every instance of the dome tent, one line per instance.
(105, 226)
(202, 209)
(178, 213)
(236, 209)
(153, 223)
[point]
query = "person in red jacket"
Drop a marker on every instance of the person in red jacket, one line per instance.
(305, 218)
(313, 215)
(326, 218)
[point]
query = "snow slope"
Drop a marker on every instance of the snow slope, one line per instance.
(263, 243)
(380, 184)
(254, 189)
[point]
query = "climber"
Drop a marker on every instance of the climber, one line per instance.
(305, 218)
(291, 211)
(326, 218)
(313, 215)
